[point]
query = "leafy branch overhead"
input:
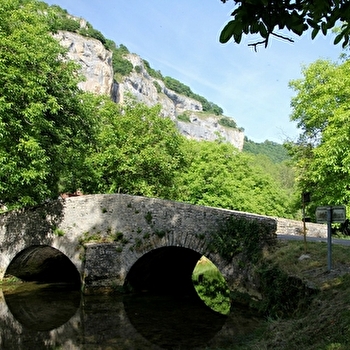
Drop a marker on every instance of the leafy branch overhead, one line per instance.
(266, 17)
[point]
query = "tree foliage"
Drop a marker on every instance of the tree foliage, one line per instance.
(227, 122)
(42, 114)
(219, 175)
(322, 152)
(211, 286)
(275, 151)
(121, 65)
(136, 152)
(265, 18)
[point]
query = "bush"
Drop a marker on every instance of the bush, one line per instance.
(153, 73)
(184, 118)
(122, 66)
(93, 33)
(68, 24)
(183, 89)
(158, 87)
(228, 122)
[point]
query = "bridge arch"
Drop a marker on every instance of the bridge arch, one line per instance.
(164, 270)
(43, 263)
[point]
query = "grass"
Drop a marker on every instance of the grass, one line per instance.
(325, 324)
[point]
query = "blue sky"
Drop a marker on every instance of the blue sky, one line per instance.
(180, 38)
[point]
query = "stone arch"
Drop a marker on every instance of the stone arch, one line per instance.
(108, 265)
(164, 270)
(43, 263)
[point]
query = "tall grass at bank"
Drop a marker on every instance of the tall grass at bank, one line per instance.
(325, 323)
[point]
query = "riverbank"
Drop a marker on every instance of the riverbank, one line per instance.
(325, 322)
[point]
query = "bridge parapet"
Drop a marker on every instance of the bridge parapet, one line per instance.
(295, 227)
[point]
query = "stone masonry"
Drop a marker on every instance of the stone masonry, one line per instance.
(105, 235)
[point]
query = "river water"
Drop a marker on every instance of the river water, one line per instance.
(43, 316)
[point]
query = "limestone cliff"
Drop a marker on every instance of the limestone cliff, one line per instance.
(95, 61)
(96, 65)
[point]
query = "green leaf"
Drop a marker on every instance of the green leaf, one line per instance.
(314, 33)
(338, 38)
(263, 30)
(228, 31)
(312, 23)
(237, 38)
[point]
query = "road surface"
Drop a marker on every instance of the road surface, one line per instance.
(313, 239)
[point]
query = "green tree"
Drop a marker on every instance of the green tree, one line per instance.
(266, 18)
(275, 151)
(137, 151)
(219, 175)
(322, 152)
(43, 119)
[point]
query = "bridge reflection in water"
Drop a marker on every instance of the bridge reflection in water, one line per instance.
(54, 316)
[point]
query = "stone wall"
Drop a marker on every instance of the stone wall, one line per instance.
(296, 228)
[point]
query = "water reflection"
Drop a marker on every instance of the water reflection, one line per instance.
(44, 307)
(176, 323)
(47, 318)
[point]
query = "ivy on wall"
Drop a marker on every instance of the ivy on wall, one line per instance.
(240, 235)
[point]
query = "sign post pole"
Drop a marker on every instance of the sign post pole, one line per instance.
(329, 237)
(329, 214)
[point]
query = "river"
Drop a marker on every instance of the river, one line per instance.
(47, 316)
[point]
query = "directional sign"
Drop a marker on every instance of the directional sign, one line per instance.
(338, 214)
(330, 214)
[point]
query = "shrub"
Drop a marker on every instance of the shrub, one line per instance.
(228, 122)
(184, 118)
(68, 24)
(158, 87)
(153, 73)
(121, 65)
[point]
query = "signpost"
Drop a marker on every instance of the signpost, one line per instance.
(329, 215)
(305, 198)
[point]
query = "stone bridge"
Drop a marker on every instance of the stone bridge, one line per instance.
(112, 241)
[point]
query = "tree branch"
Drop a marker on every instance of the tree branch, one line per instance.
(266, 41)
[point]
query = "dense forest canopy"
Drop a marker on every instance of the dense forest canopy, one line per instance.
(273, 150)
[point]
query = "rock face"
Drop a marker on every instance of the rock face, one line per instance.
(141, 85)
(96, 66)
(208, 128)
(95, 61)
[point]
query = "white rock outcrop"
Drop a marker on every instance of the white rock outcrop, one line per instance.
(209, 129)
(96, 66)
(95, 61)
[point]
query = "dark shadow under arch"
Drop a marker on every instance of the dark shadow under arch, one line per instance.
(166, 270)
(166, 275)
(42, 263)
